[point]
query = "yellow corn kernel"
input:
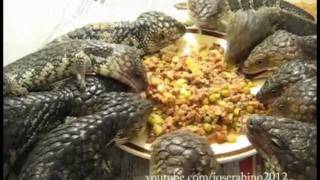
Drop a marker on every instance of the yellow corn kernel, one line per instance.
(246, 89)
(243, 84)
(158, 130)
(225, 86)
(155, 80)
(225, 93)
(192, 128)
(229, 107)
(204, 54)
(175, 59)
(161, 88)
(214, 97)
(231, 138)
(184, 92)
(155, 119)
(193, 66)
(207, 119)
(221, 103)
(205, 107)
(250, 109)
(168, 95)
(237, 111)
(205, 101)
(230, 74)
(180, 83)
(207, 127)
(230, 116)
(250, 84)
(214, 90)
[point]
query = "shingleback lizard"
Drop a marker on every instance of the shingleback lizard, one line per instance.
(215, 14)
(288, 146)
(286, 75)
(298, 102)
(181, 154)
(75, 57)
(27, 117)
(279, 48)
(75, 149)
(247, 28)
(149, 33)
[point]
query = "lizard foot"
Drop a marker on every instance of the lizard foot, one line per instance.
(82, 65)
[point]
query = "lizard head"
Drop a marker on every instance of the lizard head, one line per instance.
(120, 62)
(178, 152)
(156, 30)
(137, 112)
(205, 13)
(286, 144)
(298, 101)
(271, 52)
(270, 90)
(286, 75)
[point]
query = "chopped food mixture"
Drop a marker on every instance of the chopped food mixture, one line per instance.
(199, 92)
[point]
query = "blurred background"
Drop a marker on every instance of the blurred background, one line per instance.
(30, 24)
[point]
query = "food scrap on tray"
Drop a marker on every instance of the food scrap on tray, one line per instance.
(199, 92)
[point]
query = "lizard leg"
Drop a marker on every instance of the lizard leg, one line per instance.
(81, 66)
(11, 87)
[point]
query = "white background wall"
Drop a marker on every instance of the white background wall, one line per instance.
(30, 24)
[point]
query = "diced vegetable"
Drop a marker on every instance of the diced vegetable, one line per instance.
(207, 127)
(155, 119)
(214, 97)
(157, 129)
(198, 91)
(207, 119)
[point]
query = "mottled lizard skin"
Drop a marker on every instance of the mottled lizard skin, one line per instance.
(286, 75)
(215, 14)
(149, 33)
(182, 154)
(288, 146)
(26, 118)
(298, 102)
(75, 149)
(247, 28)
(278, 48)
(74, 58)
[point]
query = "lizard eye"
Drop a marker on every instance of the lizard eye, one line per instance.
(259, 61)
(281, 106)
(161, 36)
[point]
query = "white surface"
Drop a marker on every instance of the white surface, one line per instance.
(30, 24)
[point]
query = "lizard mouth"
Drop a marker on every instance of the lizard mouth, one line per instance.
(257, 75)
(135, 83)
(262, 146)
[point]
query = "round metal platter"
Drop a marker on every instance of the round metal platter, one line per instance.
(226, 152)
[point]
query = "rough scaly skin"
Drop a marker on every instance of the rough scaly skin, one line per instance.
(75, 57)
(286, 75)
(276, 49)
(215, 14)
(75, 149)
(287, 145)
(26, 118)
(250, 27)
(298, 101)
(151, 32)
(183, 154)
